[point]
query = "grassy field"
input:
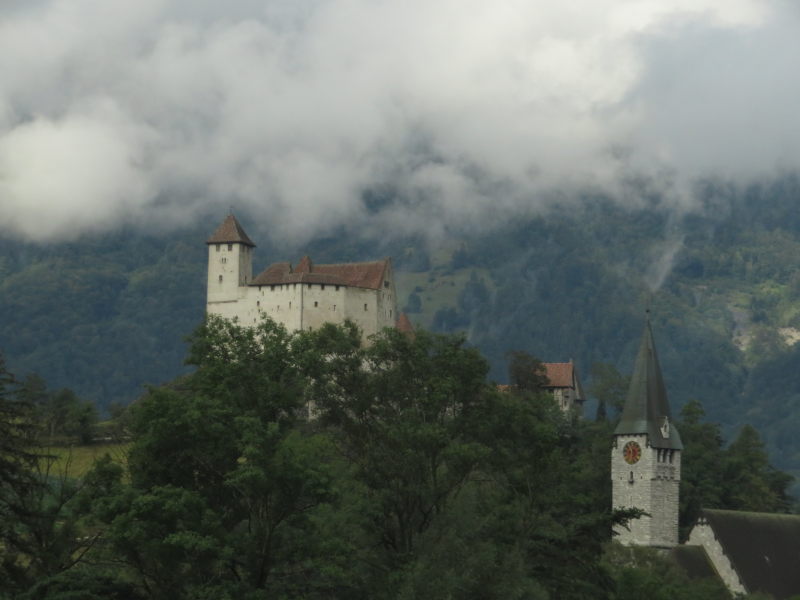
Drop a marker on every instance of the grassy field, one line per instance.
(74, 461)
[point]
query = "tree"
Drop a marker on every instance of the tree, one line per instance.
(17, 463)
(752, 483)
(526, 372)
(609, 386)
(737, 478)
(38, 536)
(241, 505)
(401, 410)
(702, 477)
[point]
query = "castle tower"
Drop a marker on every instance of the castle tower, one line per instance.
(230, 262)
(646, 455)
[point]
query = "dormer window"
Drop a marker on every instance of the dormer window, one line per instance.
(665, 428)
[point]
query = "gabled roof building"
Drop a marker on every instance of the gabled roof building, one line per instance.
(564, 384)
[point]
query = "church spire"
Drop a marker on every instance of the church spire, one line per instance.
(646, 407)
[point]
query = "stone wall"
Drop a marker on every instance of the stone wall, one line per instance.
(703, 535)
(651, 484)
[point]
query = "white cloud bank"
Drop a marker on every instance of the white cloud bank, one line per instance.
(114, 111)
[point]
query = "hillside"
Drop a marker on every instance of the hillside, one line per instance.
(106, 315)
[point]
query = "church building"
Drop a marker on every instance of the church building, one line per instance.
(300, 297)
(646, 455)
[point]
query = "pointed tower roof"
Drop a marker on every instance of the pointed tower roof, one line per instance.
(403, 324)
(646, 407)
(230, 232)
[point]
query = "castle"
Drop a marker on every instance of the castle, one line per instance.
(302, 297)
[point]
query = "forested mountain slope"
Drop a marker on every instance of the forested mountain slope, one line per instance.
(106, 315)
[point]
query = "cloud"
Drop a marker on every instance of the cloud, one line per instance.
(114, 112)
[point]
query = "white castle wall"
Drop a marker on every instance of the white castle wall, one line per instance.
(230, 266)
(297, 306)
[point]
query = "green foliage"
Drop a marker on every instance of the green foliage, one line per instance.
(609, 387)
(752, 483)
(645, 573)
(525, 372)
(414, 478)
(85, 583)
(739, 477)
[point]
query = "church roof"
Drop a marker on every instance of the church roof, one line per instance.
(230, 232)
(764, 548)
(368, 275)
(694, 561)
(647, 407)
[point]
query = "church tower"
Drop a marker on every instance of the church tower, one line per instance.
(646, 455)
(230, 262)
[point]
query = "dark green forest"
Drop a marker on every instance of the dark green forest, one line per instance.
(106, 315)
(307, 465)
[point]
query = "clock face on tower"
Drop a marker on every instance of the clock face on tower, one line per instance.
(632, 452)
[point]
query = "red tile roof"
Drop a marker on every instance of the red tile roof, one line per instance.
(560, 375)
(368, 275)
(404, 324)
(230, 232)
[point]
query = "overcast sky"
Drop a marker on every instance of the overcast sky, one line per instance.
(152, 111)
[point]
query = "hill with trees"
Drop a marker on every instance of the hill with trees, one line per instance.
(106, 315)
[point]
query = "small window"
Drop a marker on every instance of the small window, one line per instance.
(334, 308)
(217, 247)
(337, 288)
(322, 286)
(230, 247)
(220, 278)
(309, 286)
(316, 304)
(224, 260)
(386, 284)
(365, 308)
(390, 313)
(272, 288)
(258, 302)
(290, 306)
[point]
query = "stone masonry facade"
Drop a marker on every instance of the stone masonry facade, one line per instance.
(651, 484)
